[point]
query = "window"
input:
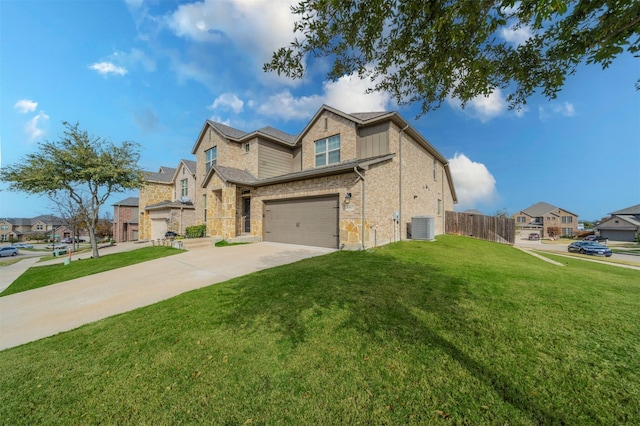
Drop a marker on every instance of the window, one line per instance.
(439, 206)
(4, 227)
(204, 202)
(39, 227)
(521, 219)
(328, 151)
(247, 147)
(211, 155)
(435, 169)
(567, 231)
(567, 219)
(184, 184)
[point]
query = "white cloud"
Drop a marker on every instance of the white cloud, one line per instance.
(474, 184)
(26, 105)
(565, 109)
(105, 68)
(228, 101)
(483, 108)
(284, 105)
(32, 127)
(516, 35)
(347, 94)
(257, 27)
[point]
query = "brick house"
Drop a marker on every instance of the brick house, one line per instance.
(125, 220)
(166, 200)
(347, 181)
(540, 216)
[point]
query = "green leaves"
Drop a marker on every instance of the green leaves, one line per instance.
(427, 51)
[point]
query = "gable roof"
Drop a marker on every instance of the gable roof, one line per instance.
(164, 175)
(542, 208)
(128, 202)
(634, 210)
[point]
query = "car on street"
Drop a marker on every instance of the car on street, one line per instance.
(8, 251)
(55, 246)
(596, 238)
(170, 234)
(23, 245)
(589, 247)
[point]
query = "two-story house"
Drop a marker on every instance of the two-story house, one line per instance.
(540, 216)
(623, 225)
(166, 200)
(26, 229)
(347, 181)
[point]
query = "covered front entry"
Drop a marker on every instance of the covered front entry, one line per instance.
(306, 221)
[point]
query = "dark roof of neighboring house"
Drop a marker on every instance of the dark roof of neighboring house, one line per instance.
(227, 131)
(629, 210)
(128, 202)
(632, 220)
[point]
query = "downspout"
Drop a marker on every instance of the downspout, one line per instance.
(400, 184)
(355, 170)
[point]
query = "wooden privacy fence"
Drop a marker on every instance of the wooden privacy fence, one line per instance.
(489, 228)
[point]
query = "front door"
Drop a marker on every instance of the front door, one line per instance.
(246, 212)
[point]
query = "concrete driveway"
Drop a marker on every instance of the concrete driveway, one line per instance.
(43, 312)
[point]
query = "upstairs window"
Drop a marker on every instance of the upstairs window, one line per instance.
(328, 151)
(567, 219)
(184, 184)
(211, 155)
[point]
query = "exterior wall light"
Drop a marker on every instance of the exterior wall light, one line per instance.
(347, 198)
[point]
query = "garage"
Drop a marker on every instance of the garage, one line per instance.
(158, 228)
(618, 234)
(306, 221)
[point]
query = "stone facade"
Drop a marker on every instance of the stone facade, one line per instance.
(150, 194)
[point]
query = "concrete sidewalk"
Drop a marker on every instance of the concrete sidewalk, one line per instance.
(43, 312)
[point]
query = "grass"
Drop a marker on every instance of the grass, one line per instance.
(41, 276)
(6, 261)
(225, 243)
(457, 331)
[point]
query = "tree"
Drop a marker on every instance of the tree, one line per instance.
(427, 51)
(86, 170)
(72, 216)
(553, 231)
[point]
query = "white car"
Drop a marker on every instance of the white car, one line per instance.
(55, 247)
(8, 251)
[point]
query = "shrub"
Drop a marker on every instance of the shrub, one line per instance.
(196, 231)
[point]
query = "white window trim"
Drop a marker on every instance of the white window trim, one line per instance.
(326, 152)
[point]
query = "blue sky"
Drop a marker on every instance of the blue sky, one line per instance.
(153, 71)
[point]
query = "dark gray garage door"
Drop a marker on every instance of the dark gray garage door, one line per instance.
(308, 221)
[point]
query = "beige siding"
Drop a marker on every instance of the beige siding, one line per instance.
(373, 140)
(275, 160)
(297, 159)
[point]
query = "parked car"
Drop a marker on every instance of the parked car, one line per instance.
(23, 245)
(8, 251)
(534, 236)
(170, 234)
(596, 238)
(576, 246)
(591, 247)
(55, 246)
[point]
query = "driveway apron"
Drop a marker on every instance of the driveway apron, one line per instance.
(46, 311)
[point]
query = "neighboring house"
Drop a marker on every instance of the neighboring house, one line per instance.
(125, 220)
(347, 181)
(540, 216)
(624, 225)
(26, 229)
(166, 200)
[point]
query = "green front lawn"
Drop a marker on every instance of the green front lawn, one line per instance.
(41, 276)
(457, 331)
